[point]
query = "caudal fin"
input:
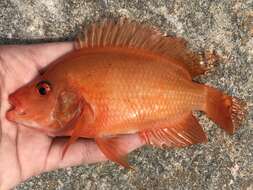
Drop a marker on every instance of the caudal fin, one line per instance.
(226, 111)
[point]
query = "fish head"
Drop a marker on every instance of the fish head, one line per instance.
(44, 105)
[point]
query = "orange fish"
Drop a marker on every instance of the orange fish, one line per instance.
(124, 78)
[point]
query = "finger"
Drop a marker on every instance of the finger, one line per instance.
(43, 54)
(85, 152)
(21, 63)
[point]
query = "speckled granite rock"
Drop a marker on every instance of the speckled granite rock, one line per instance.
(225, 162)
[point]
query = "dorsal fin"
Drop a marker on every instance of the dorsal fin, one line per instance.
(130, 34)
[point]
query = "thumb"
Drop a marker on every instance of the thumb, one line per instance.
(85, 151)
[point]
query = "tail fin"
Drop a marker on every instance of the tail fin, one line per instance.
(228, 112)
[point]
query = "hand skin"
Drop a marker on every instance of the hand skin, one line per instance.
(25, 152)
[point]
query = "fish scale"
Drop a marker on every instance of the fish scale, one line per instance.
(124, 82)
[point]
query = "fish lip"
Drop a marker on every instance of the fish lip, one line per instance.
(17, 110)
(13, 114)
(15, 106)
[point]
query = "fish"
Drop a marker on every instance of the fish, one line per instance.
(126, 77)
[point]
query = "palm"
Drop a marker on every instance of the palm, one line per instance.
(25, 152)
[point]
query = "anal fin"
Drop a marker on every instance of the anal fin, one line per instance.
(113, 149)
(184, 133)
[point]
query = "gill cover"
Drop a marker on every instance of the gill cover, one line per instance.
(69, 106)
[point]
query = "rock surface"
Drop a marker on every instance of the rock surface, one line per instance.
(225, 162)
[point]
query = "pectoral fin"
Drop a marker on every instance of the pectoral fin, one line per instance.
(81, 127)
(74, 136)
(113, 149)
(184, 133)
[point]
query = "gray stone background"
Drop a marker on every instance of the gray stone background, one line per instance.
(225, 162)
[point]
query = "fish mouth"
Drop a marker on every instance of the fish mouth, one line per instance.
(14, 113)
(17, 110)
(16, 106)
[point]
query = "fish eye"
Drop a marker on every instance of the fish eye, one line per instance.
(43, 87)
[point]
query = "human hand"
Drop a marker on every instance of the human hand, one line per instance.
(25, 152)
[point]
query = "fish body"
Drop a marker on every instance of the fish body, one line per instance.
(128, 88)
(116, 83)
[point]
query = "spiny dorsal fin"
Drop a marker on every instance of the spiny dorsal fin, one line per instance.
(124, 33)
